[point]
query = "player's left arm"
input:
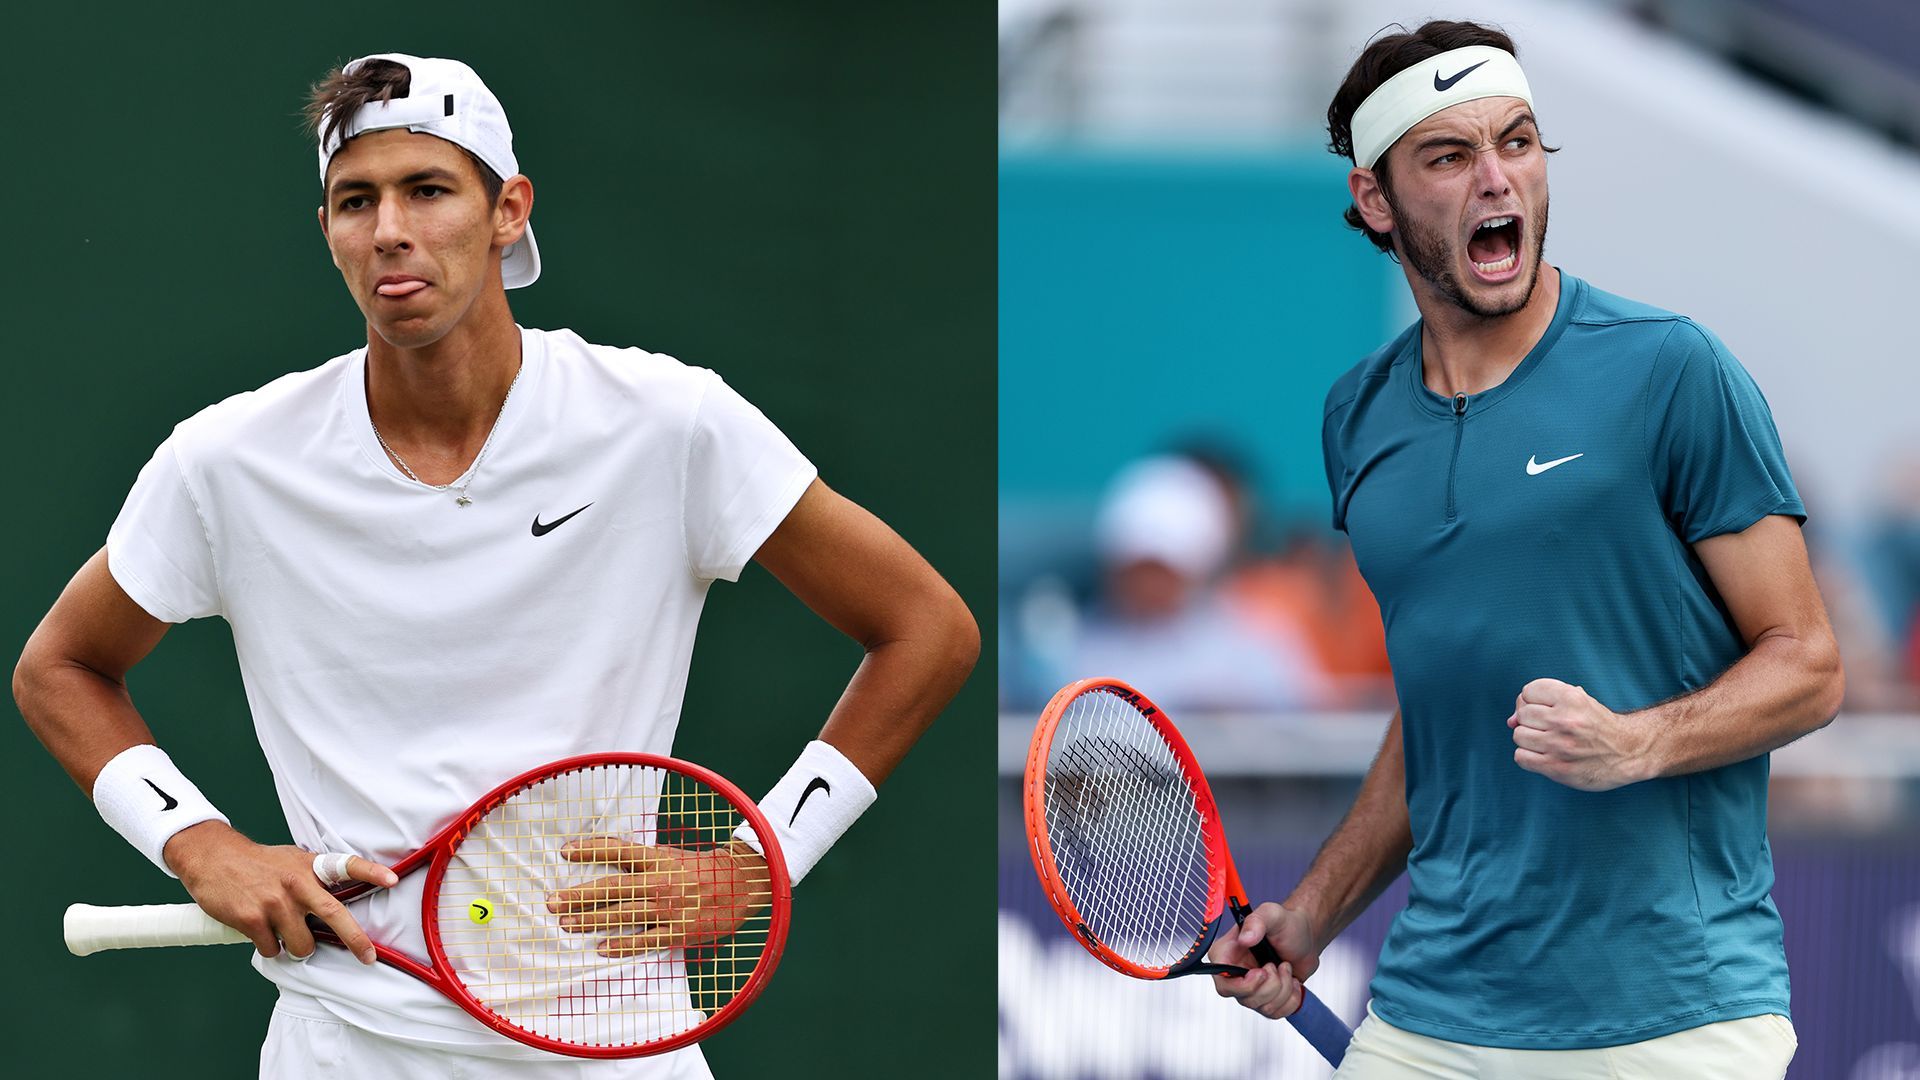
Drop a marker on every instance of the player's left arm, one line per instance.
(921, 642)
(1789, 682)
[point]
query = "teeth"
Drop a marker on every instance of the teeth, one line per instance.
(1500, 267)
(1496, 223)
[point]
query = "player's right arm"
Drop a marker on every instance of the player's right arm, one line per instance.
(70, 684)
(1356, 864)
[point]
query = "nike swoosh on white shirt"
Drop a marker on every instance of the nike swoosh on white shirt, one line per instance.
(1535, 468)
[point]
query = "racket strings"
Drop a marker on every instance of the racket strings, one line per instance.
(1126, 832)
(654, 924)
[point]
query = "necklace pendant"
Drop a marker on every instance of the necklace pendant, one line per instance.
(463, 500)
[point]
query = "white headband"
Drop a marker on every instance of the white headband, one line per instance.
(1439, 82)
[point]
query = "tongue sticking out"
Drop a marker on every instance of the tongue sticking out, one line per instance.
(401, 288)
(1491, 245)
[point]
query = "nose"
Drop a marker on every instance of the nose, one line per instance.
(390, 230)
(1491, 175)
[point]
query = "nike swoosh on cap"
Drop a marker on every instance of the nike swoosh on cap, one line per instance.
(1535, 468)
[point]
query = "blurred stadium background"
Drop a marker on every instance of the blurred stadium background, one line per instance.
(1176, 294)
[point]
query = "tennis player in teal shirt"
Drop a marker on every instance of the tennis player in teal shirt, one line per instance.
(1576, 515)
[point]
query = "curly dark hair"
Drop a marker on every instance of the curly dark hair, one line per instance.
(1382, 59)
(338, 96)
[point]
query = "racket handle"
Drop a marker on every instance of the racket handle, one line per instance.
(1313, 1020)
(90, 929)
(1318, 1025)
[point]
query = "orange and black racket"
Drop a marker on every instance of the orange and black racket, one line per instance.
(596, 907)
(1129, 848)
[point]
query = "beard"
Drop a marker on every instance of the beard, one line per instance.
(1431, 254)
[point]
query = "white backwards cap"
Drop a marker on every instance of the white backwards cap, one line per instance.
(1439, 82)
(445, 99)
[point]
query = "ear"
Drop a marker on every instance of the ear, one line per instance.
(320, 212)
(1372, 202)
(515, 207)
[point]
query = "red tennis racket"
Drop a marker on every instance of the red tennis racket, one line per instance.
(595, 907)
(1129, 848)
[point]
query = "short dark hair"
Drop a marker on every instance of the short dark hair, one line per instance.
(1382, 59)
(338, 96)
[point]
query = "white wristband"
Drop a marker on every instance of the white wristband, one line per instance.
(147, 800)
(818, 800)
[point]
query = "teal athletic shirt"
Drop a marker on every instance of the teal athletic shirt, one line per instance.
(1541, 917)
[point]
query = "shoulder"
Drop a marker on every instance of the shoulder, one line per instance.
(1667, 342)
(290, 403)
(625, 377)
(1371, 374)
(1666, 332)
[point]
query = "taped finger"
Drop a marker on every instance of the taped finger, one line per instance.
(331, 868)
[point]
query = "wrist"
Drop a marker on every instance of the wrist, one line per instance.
(186, 850)
(832, 791)
(1647, 762)
(146, 799)
(1308, 905)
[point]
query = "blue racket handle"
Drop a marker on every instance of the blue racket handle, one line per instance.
(1317, 1024)
(1313, 1020)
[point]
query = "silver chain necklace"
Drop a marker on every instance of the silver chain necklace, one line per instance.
(459, 493)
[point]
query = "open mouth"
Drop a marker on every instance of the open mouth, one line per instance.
(1494, 248)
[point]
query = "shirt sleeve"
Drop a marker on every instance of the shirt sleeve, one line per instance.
(158, 550)
(743, 477)
(1714, 455)
(1336, 469)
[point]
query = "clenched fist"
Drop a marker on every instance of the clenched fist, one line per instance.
(1562, 733)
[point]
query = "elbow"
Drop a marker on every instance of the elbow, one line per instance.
(1832, 692)
(962, 638)
(1836, 694)
(20, 684)
(27, 681)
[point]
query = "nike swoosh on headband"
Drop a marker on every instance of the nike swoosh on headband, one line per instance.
(1442, 84)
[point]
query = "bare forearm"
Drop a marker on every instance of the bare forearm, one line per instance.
(70, 682)
(1782, 689)
(82, 717)
(1366, 852)
(901, 687)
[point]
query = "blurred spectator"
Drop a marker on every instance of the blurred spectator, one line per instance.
(1308, 592)
(1880, 643)
(1313, 590)
(1164, 533)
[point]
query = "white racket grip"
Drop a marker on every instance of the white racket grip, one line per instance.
(90, 929)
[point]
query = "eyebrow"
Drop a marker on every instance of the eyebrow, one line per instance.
(347, 184)
(1435, 142)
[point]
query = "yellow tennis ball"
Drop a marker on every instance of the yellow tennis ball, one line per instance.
(481, 910)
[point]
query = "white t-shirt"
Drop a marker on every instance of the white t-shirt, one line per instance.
(402, 654)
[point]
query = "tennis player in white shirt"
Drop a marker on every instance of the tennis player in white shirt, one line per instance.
(461, 551)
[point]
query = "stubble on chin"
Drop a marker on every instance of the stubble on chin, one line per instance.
(1432, 257)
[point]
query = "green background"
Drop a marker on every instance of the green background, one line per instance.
(801, 197)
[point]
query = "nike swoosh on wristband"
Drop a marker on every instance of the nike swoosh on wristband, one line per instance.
(1535, 468)
(171, 801)
(818, 783)
(1442, 84)
(542, 530)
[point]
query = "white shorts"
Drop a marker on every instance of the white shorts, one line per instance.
(1752, 1048)
(302, 1048)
